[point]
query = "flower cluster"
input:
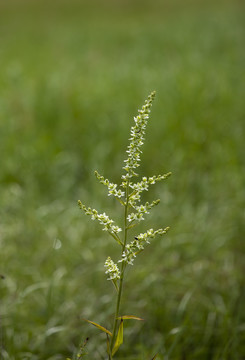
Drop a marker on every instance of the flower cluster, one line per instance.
(102, 218)
(143, 185)
(130, 197)
(136, 140)
(112, 269)
(112, 188)
(141, 210)
(137, 245)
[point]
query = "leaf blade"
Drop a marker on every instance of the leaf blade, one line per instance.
(130, 317)
(119, 339)
(102, 328)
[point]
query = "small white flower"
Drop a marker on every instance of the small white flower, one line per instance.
(139, 216)
(116, 229)
(131, 217)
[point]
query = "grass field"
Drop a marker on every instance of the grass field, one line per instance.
(72, 76)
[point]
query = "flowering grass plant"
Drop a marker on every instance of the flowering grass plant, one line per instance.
(128, 193)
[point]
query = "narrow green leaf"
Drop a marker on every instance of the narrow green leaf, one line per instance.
(99, 327)
(154, 357)
(119, 339)
(129, 317)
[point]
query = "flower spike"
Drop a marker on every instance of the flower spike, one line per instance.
(136, 139)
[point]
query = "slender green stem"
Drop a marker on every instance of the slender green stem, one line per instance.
(117, 312)
(123, 266)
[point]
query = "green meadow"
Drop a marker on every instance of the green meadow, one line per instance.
(72, 76)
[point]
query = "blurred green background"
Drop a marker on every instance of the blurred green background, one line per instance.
(72, 76)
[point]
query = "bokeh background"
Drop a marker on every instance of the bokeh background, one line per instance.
(72, 76)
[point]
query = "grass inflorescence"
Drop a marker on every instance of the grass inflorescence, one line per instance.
(134, 212)
(71, 74)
